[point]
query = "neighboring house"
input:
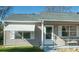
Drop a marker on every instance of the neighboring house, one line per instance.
(42, 29)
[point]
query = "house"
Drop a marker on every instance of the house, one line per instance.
(42, 29)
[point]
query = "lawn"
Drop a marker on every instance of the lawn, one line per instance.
(20, 49)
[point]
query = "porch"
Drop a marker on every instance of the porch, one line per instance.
(60, 34)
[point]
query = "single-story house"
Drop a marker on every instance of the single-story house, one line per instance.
(42, 29)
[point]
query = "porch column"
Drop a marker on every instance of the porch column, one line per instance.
(42, 34)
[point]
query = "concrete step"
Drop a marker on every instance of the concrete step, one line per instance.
(51, 51)
(49, 44)
(49, 48)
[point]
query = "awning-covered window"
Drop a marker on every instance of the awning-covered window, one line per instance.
(19, 27)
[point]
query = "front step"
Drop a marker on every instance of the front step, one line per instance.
(49, 48)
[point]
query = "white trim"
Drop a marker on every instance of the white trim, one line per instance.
(42, 34)
(53, 32)
(68, 20)
(60, 30)
(39, 20)
(22, 21)
(49, 41)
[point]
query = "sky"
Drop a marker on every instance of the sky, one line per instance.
(34, 9)
(27, 9)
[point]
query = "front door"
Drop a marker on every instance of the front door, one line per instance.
(49, 35)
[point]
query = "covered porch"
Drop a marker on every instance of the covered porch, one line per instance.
(58, 34)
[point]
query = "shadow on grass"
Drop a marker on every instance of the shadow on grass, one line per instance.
(20, 49)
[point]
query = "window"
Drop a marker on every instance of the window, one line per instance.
(18, 35)
(24, 35)
(72, 30)
(68, 30)
(65, 30)
(48, 32)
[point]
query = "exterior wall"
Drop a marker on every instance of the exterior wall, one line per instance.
(29, 42)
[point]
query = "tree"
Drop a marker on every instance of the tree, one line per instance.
(58, 9)
(4, 10)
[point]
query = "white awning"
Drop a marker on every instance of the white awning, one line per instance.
(19, 27)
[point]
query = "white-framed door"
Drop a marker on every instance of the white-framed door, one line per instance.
(49, 34)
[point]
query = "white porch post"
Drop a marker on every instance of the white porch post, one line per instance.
(42, 34)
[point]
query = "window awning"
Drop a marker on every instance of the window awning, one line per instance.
(19, 27)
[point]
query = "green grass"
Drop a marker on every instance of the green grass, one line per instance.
(20, 49)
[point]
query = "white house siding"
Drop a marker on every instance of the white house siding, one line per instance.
(29, 42)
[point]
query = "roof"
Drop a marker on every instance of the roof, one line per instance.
(44, 16)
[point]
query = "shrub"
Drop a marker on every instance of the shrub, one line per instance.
(20, 49)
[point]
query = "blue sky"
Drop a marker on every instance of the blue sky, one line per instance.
(27, 9)
(33, 9)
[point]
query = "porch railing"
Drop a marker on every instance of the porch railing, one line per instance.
(70, 38)
(64, 40)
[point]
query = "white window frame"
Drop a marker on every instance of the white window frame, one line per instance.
(69, 31)
(32, 35)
